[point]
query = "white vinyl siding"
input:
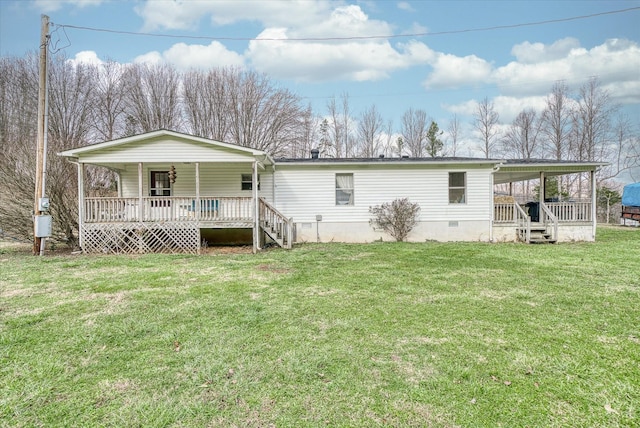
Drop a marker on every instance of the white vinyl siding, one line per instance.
(306, 191)
(215, 180)
(166, 150)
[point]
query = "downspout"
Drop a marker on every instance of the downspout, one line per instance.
(594, 209)
(273, 185)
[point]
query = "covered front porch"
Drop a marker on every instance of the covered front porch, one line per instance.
(171, 187)
(544, 218)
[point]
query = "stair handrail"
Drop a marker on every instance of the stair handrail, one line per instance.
(549, 218)
(268, 210)
(524, 221)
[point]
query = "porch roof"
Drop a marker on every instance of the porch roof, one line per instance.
(513, 170)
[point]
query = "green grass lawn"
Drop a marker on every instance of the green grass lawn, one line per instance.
(382, 334)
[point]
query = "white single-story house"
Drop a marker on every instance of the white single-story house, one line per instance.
(174, 189)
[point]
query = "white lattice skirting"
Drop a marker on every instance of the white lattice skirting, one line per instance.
(137, 238)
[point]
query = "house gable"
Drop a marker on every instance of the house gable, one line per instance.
(164, 146)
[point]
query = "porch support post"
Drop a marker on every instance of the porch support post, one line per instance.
(543, 186)
(491, 207)
(140, 197)
(197, 207)
(594, 211)
(256, 207)
(81, 208)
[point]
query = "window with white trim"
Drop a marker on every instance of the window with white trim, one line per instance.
(457, 187)
(344, 189)
(246, 182)
(159, 184)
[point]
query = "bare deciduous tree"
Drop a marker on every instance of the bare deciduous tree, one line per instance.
(414, 131)
(556, 121)
(522, 138)
(109, 102)
(153, 100)
(454, 131)
(592, 121)
(340, 126)
(18, 119)
(369, 129)
(486, 123)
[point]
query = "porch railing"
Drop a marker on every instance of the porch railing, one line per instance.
(279, 227)
(570, 211)
(564, 212)
(550, 221)
(164, 208)
(524, 223)
(504, 212)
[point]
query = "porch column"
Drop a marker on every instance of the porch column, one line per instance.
(491, 208)
(256, 207)
(594, 211)
(140, 196)
(543, 186)
(197, 207)
(81, 208)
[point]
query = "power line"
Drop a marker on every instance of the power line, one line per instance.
(319, 39)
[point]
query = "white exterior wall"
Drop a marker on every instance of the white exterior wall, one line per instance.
(216, 179)
(306, 191)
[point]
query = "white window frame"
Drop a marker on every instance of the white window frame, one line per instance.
(246, 182)
(345, 185)
(153, 189)
(454, 190)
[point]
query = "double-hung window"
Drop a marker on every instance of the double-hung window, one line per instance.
(344, 189)
(160, 184)
(246, 182)
(457, 187)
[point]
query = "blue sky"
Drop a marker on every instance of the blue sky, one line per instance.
(444, 72)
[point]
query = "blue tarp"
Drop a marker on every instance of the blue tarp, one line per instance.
(631, 195)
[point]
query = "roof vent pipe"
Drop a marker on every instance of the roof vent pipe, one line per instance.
(315, 153)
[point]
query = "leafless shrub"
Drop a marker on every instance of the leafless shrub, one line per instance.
(397, 218)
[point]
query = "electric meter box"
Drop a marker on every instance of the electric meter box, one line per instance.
(43, 204)
(43, 226)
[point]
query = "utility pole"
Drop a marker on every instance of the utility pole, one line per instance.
(42, 132)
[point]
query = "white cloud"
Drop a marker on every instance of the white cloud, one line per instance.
(53, 5)
(509, 107)
(160, 14)
(86, 57)
(450, 71)
(323, 61)
(404, 5)
(184, 56)
(201, 56)
(153, 57)
(531, 53)
(616, 63)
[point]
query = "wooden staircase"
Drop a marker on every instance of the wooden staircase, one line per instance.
(276, 225)
(540, 235)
